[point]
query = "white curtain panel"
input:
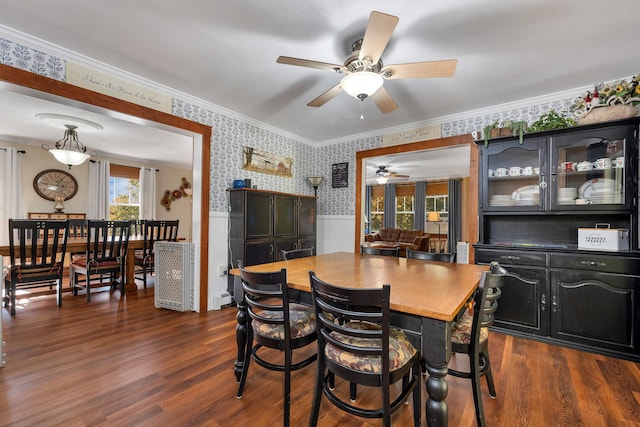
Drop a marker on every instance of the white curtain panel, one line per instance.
(10, 190)
(98, 200)
(147, 193)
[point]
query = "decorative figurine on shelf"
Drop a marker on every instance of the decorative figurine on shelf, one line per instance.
(595, 99)
(58, 204)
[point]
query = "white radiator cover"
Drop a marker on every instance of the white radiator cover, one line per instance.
(174, 275)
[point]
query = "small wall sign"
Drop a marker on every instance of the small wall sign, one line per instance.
(339, 175)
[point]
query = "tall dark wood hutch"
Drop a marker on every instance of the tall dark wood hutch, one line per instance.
(262, 223)
(533, 197)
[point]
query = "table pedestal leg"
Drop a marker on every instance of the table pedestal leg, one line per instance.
(436, 349)
(241, 338)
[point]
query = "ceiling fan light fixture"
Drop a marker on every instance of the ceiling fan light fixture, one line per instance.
(361, 84)
(74, 154)
(382, 179)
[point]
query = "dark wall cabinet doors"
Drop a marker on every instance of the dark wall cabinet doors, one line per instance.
(262, 223)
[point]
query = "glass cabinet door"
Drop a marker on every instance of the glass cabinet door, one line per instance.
(589, 171)
(515, 176)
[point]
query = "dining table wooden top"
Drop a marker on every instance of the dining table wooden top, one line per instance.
(79, 244)
(432, 289)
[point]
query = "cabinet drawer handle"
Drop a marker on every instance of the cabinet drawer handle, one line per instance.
(554, 304)
(510, 257)
(593, 263)
(543, 302)
(543, 185)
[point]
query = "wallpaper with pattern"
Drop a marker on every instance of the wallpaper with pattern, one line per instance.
(230, 135)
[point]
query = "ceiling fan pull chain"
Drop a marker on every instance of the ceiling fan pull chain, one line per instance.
(361, 110)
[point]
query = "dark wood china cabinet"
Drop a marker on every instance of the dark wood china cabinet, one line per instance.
(533, 198)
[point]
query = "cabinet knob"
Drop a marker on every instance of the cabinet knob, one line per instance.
(543, 302)
(543, 184)
(592, 263)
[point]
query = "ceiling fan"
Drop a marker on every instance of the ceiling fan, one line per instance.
(365, 73)
(383, 174)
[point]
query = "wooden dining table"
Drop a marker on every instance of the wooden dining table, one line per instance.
(79, 244)
(426, 296)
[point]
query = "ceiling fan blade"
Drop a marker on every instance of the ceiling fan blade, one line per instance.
(327, 96)
(397, 175)
(377, 35)
(308, 63)
(384, 101)
(421, 70)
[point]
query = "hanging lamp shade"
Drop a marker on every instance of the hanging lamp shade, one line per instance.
(361, 84)
(69, 150)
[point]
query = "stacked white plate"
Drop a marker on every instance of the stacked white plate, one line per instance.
(567, 195)
(528, 199)
(527, 196)
(601, 191)
(501, 200)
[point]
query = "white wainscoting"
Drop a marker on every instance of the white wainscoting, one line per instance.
(335, 234)
(218, 255)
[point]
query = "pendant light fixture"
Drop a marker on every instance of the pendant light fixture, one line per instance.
(69, 150)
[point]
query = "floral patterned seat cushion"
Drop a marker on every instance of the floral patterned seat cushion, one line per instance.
(461, 333)
(302, 319)
(400, 350)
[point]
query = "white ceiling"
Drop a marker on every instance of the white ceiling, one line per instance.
(224, 52)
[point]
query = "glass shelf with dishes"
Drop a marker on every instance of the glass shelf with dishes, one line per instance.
(513, 177)
(590, 170)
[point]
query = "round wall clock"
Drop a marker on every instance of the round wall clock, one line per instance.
(52, 183)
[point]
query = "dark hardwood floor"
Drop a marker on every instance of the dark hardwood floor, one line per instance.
(122, 362)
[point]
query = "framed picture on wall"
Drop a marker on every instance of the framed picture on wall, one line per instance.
(339, 175)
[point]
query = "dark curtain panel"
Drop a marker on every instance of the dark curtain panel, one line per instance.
(419, 206)
(455, 215)
(390, 206)
(367, 206)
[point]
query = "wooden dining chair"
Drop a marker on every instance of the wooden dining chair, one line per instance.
(105, 255)
(470, 335)
(36, 253)
(368, 250)
(153, 231)
(296, 253)
(356, 343)
(137, 227)
(275, 323)
(432, 256)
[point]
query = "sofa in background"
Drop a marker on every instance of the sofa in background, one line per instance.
(413, 239)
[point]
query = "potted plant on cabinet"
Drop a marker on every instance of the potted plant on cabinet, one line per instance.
(505, 127)
(551, 120)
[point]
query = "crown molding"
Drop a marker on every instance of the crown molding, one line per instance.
(69, 55)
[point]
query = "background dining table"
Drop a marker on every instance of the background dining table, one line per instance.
(79, 244)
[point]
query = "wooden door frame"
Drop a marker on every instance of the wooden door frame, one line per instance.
(470, 214)
(148, 116)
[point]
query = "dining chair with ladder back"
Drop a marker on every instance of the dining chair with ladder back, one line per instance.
(296, 253)
(369, 250)
(36, 253)
(153, 231)
(470, 335)
(137, 227)
(356, 343)
(432, 256)
(105, 255)
(77, 228)
(274, 322)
